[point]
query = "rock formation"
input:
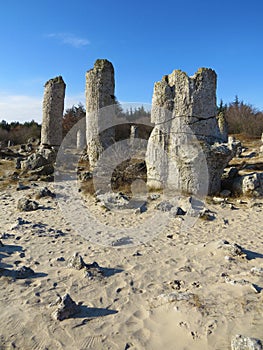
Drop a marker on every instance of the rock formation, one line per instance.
(100, 87)
(261, 147)
(187, 150)
(81, 139)
(53, 106)
(133, 133)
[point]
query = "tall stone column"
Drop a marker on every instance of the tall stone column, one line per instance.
(81, 139)
(186, 151)
(100, 86)
(53, 106)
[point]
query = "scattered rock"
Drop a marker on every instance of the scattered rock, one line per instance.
(45, 170)
(25, 204)
(230, 173)
(154, 196)
(164, 206)
(225, 193)
(122, 241)
(21, 187)
(240, 342)
(175, 296)
(34, 161)
(112, 200)
(233, 248)
(45, 192)
(257, 271)
(93, 271)
(24, 272)
(66, 309)
(242, 283)
(177, 211)
(18, 162)
(250, 184)
(76, 262)
(85, 176)
(206, 214)
(219, 200)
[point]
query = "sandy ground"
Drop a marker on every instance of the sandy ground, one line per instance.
(131, 307)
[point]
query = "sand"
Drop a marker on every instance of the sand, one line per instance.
(131, 307)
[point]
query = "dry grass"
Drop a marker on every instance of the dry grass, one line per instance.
(7, 168)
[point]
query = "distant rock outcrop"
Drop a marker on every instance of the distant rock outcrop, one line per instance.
(187, 149)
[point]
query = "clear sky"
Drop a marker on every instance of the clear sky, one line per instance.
(143, 39)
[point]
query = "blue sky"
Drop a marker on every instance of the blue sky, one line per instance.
(143, 39)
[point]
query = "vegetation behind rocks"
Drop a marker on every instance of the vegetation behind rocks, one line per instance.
(242, 118)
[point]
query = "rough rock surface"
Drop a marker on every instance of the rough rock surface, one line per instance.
(33, 162)
(40, 163)
(100, 87)
(261, 147)
(187, 149)
(239, 342)
(76, 262)
(250, 184)
(53, 106)
(25, 204)
(24, 272)
(81, 139)
(66, 308)
(45, 192)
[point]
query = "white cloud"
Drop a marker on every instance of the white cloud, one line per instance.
(70, 39)
(20, 108)
(25, 108)
(74, 100)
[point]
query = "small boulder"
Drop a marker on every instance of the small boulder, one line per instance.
(25, 204)
(21, 187)
(66, 309)
(34, 161)
(45, 192)
(164, 206)
(240, 342)
(24, 272)
(76, 262)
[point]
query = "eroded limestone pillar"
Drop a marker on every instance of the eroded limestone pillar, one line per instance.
(185, 150)
(81, 139)
(100, 86)
(53, 106)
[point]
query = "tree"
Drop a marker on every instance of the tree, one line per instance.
(243, 118)
(72, 116)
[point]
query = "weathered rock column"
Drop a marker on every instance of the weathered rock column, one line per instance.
(81, 139)
(261, 147)
(133, 133)
(53, 106)
(100, 87)
(186, 151)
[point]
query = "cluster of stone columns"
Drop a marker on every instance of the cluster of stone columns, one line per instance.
(187, 143)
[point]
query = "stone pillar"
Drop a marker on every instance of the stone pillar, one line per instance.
(185, 150)
(53, 106)
(133, 133)
(81, 139)
(100, 87)
(261, 147)
(223, 127)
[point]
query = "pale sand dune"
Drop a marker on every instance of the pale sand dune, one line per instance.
(125, 310)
